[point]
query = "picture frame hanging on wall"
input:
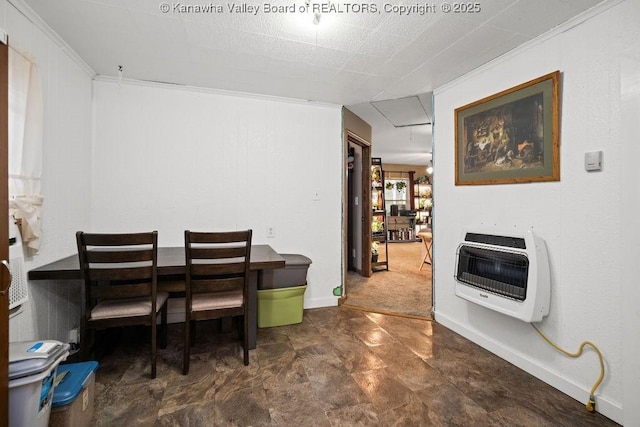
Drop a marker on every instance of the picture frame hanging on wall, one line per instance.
(511, 136)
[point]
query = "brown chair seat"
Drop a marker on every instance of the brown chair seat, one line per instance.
(130, 307)
(216, 301)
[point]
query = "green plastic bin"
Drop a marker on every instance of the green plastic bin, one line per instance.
(279, 307)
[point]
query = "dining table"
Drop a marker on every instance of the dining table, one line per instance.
(171, 275)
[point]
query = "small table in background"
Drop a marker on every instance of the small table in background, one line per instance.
(427, 240)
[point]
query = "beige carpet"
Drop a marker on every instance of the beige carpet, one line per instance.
(402, 290)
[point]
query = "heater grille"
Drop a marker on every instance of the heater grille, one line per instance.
(502, 273)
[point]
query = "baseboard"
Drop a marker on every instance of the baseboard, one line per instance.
(604, 406)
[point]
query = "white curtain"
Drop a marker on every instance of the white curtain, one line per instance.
(25, 147)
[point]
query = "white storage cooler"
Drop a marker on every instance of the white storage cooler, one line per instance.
(32, 371)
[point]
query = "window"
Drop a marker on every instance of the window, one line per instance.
(396, 191)
(25, 146)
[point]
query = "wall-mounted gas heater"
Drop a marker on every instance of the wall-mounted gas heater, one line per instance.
(505, 271)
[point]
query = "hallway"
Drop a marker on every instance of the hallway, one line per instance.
(405, 289)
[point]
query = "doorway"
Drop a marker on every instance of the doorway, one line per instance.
(406, 288)
(357, 203)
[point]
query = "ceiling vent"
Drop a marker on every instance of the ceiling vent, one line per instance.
(403, 112)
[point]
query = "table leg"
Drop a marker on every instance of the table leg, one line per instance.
(253, 308)
(427, 253)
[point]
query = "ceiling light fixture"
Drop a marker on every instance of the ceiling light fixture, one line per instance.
(315, 9)
(430, 169)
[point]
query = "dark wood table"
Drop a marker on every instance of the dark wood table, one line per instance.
(171, 268)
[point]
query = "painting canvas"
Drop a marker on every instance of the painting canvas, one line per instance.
(510, 137)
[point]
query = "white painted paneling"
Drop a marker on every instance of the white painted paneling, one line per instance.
(169, 159)
(630, 111)
(53, 307)
(580, 217)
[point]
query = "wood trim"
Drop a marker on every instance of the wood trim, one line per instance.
(356, 139)
(4, 232)
(345, 211)
(367, 267)
(366, 200)
(366, 271)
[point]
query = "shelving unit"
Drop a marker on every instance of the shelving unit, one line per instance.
(379, 218)
(423, 203)
(401, 229)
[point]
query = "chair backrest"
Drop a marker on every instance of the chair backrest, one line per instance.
(118, 265)
(217, 261)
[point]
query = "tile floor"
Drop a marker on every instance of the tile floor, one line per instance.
(340, 367)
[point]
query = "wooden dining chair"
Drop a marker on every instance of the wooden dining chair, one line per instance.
(120, 286)
(217, 282)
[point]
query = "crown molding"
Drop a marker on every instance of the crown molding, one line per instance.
(36, 20)
(212, 91)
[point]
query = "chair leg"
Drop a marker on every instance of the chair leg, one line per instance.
(245, 338)
(154, 346)
(187, 346)
(163, 334)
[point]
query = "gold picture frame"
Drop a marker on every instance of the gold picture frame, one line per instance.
(510, 137)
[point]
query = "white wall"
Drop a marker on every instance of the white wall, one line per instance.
(580, 218)
(66, 81)
(630, 206)
(169, 159)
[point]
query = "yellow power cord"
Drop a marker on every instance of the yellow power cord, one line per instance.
(591, 405)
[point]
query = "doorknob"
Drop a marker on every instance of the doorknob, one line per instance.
(3, 291)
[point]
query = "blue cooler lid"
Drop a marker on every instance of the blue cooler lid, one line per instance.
(73, 382)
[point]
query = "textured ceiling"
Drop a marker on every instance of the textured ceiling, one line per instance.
(352, 57)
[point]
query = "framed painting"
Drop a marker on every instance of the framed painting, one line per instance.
(510, 137)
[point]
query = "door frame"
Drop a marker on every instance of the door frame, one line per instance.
(351, 137)
(4, 231)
